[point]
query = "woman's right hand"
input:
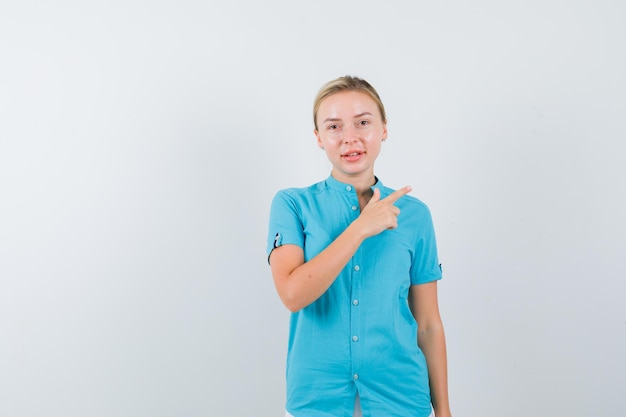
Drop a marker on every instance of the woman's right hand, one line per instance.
(379, 215)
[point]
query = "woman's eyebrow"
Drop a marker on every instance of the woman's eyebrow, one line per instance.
(337, 119)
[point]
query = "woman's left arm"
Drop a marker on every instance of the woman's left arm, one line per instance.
(431, 340)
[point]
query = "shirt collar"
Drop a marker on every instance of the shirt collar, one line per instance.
(348, 188)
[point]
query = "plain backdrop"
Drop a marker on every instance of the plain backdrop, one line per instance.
(141, 143)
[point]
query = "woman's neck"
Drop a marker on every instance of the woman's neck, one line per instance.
(362, 184)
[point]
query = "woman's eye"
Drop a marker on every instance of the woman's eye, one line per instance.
(332, 127)
(364, 122)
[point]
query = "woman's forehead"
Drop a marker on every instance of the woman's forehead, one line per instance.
(348, 103)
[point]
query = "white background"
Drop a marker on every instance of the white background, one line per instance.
(141, 144)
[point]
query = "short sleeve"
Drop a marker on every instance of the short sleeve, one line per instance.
(285, 225)
(425, 266)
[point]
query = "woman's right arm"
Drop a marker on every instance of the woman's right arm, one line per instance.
(300, 283)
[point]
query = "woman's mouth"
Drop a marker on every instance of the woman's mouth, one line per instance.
(352, 156)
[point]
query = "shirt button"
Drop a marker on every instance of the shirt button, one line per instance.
(355, 376)
(355, 302)
(354, 208)
(348, 188)
(355, 338)
(356, 267)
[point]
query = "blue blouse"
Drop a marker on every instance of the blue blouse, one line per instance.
(360, 334)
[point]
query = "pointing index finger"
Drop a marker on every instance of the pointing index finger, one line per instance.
(393, 197)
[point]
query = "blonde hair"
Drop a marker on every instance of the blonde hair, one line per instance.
(347, 83)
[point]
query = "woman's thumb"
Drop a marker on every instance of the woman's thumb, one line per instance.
(375, 196)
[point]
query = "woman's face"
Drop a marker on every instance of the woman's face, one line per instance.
(350, 130)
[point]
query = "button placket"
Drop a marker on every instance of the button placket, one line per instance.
(355, 311)
(354, 201)
(355, 302)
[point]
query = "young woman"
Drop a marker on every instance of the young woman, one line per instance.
(356, 263)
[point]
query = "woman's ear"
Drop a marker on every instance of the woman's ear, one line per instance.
(319, 140)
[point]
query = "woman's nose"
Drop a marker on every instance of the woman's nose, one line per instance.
(349, 135)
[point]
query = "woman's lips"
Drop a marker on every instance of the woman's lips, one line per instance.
(352, 156)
